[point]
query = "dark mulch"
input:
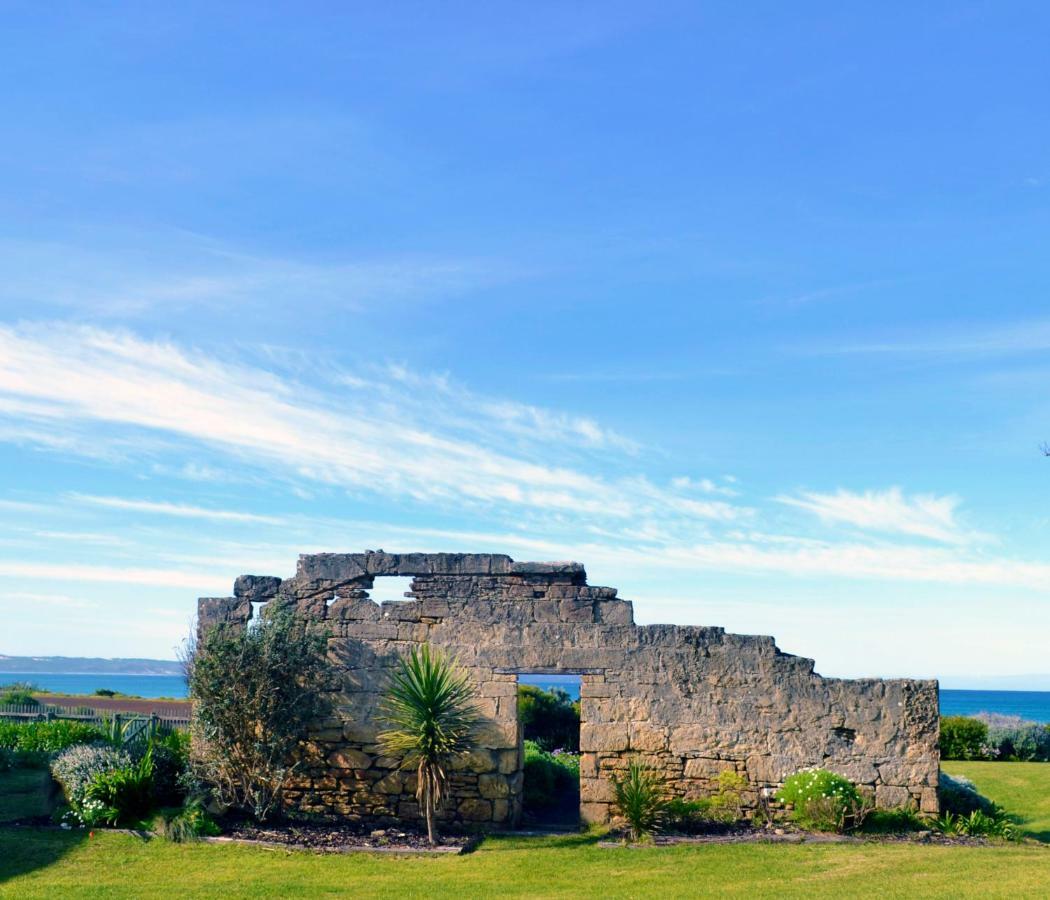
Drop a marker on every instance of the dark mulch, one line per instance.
(338, 838)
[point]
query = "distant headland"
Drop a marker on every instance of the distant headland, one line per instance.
(79, 665)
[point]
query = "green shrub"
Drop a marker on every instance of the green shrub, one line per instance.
(120, 796)
(105, 692)
(1014, 739)
(995, 824)
(551, 779)
(256, 690)
(190, 823)
(77, 767)
(171, 753)
(18, 695)
(724, 807)
(688, 816)
(641, 798)
(963, 738)
(727, 803)
(47, 737)
(550, 718)
(823, 801)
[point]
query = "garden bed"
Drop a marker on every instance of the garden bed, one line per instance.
(337, 838)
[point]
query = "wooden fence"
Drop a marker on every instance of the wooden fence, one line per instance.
(114, 722)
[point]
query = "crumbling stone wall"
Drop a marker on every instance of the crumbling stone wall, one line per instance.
(693, 701)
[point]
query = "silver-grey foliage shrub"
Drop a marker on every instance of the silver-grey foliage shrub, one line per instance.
(75, 768)
(1013, 738)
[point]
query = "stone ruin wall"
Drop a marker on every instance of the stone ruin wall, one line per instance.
(692, 701)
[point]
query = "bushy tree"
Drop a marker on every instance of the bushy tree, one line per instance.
(432, 717)
(963, 738)
(255, 690)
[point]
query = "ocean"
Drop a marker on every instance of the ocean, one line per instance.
(1031, 705)
(78, 683)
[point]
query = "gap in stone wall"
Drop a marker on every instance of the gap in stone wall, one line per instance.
(390, 587)
(257, 611)
(550, 797)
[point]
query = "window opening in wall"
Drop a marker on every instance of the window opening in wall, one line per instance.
(257, 612)
(549, 713)
(390, 587)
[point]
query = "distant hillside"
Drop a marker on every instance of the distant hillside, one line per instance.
(77, 665)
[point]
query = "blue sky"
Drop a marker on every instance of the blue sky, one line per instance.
(745, 309)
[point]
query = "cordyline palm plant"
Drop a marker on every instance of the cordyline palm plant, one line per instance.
(430, 710)
(641, 799)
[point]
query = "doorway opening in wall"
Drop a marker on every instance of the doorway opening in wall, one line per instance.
(549, 714)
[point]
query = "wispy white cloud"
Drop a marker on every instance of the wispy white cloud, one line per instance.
(211, 581)
(190, 272)
(63, 601)
(921, 515)
(979, 340)
(440, 447)
(400, 435)
(704, 485)
(180, 510)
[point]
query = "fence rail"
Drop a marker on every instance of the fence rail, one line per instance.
(104, 718)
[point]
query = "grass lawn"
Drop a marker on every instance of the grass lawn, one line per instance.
(115, 865)
(41, 863)
(24, 793)
(1022, 789)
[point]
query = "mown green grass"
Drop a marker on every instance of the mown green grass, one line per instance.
(116, 865)
(45, 863)
(1022, 789)
(24, 793)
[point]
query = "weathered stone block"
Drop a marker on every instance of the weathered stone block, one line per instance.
(337, 567)
(929, 802)
(615, 612)
(476, 810)
(576, 611)
(594, 813)
(349, 759)
(256, 588)
(646, 737)
(492, 787)
(597, 790)
(604, 738)
(509, 761)
(494, 735)
(477, 760)
(888, 796)
(706, 768)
